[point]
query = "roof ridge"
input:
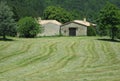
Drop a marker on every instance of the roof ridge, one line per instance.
(50, 21)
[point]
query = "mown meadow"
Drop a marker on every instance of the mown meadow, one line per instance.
(59, 59)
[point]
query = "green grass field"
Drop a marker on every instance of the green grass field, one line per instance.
(59, 59)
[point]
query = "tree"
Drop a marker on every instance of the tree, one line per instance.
(7, 23)
(15, 16)
(118, 32)
(91, 31)
(57, 13)
(35, 8)
(109, 19)
(28, 27)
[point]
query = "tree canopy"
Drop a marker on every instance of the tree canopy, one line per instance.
(28, 27)
(7, 24)
(83, 8)
(109, 19)
(57, 13)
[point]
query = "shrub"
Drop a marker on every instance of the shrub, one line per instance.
(91, 31)
(28, 27)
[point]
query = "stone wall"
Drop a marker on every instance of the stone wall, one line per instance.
(81, 30)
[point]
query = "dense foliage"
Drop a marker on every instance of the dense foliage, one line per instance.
(28, 27)
(7, 24)
(57, 13)
(91, 31)
(109, 20)
(82, 8)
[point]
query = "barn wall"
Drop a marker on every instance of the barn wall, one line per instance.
(50, 29)
(81, 30)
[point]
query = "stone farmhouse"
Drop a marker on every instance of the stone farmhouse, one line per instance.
(50, 27)
(73, 28)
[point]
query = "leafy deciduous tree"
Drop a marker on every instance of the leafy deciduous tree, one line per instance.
(57, 13)
(7, 23)
(28, 27)
(109, 19)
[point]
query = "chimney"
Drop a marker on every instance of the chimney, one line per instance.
(84, 20)
(39, 18)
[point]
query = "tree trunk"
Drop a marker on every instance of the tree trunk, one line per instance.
(4, 36)
(113, 33)
(113, 37)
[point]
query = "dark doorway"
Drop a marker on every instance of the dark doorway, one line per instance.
(72, 31)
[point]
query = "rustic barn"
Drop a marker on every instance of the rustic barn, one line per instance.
(75, 28)
(50, 27)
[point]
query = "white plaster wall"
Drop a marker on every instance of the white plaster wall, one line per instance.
(50, 29)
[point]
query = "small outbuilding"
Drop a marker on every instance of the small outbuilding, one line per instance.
(75, 28)
(50, 27)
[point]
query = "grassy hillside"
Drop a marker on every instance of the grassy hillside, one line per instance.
(59, 59)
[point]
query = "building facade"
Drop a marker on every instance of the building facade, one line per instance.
(75, 28)
(50, 28)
